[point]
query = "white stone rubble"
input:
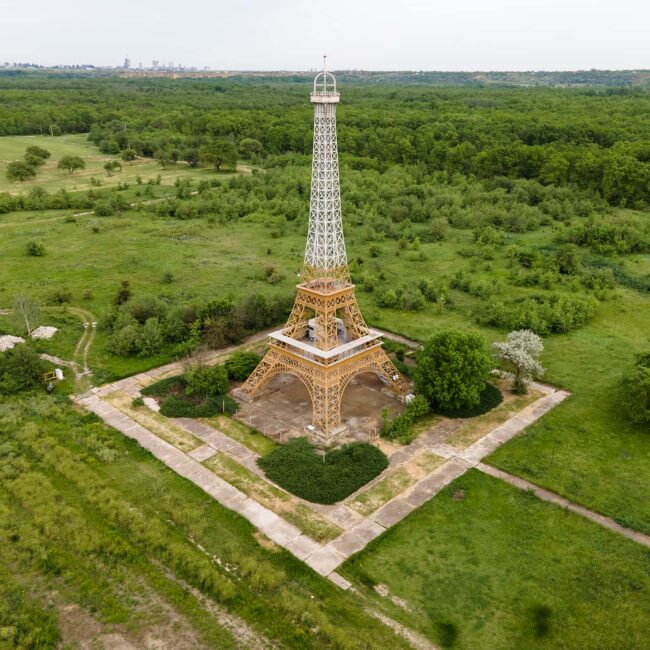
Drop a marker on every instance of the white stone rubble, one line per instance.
(44, 332)
(7, 342)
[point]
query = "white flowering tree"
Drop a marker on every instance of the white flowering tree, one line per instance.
(520, 354)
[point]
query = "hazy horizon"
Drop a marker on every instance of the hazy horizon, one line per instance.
(292, 35)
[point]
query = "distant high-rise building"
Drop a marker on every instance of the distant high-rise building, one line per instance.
(155, 64)
(127, 63)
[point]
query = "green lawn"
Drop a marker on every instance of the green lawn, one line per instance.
(51, 179)
(501, 569)
(585, 449)
(90, 519)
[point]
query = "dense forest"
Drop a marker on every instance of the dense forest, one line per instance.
(588, 138)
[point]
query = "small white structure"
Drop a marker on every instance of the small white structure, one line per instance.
(7, 341)
(44, 332)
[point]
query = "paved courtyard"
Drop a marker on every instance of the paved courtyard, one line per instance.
(283, 410)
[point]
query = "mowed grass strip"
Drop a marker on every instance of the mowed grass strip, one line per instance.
(283, 504)
(395, 483)
(484, 565)
(254, 440)
(481, 425)
(154, 422)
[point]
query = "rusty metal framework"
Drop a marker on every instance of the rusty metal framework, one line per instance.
(325, 341)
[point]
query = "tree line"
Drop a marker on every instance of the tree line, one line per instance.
(553, 136)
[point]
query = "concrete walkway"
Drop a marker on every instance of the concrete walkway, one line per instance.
(551, 497)
(358, 531)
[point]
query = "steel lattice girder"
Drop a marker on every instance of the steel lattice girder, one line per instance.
(325, 384)
(325, 289)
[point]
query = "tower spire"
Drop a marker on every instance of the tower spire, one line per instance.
(325, 257)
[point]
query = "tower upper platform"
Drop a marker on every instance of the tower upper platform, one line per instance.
(324, 91)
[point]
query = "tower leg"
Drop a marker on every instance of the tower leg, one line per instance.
(327, 406)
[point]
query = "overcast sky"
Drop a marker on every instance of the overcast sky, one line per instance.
(366, 34)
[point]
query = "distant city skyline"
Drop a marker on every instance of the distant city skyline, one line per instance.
(470, 35)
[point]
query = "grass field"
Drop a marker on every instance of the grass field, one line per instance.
(51, 179)
(101, 542)
(583, 449)
(497, 568)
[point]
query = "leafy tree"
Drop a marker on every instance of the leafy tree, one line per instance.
(636, 386)
(37, 151)
(71, 163)
(452, 369)
(129, 155)
(191, 157)
(251, 149)
(29, 311)
(219, 153)
(164, 158)
(112, 166)
(520, 353)
(20, 170)
(34, 161)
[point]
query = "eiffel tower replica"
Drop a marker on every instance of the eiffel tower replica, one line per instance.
(325, 342)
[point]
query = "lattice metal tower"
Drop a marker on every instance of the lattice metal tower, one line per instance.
(325, 342)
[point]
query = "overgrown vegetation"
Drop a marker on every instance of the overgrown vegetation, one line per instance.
(89, 520)
(199, 393)
(323, 477)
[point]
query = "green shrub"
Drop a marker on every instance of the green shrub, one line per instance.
(636, 387)
(611, 235)
(164, 387)
(489, 398)
(34, 249)
(20, 170)
(401, 427)
(20, 369)
(37, 151)
(181, 406)
(206, 380)
(300, 469)
(240, 365)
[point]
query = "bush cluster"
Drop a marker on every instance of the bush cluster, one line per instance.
(401, 427)
(199, 393)
(612, 235)
(299, 468)
(241, 364)
(543, 314)
(20, 369)
(142, 325)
